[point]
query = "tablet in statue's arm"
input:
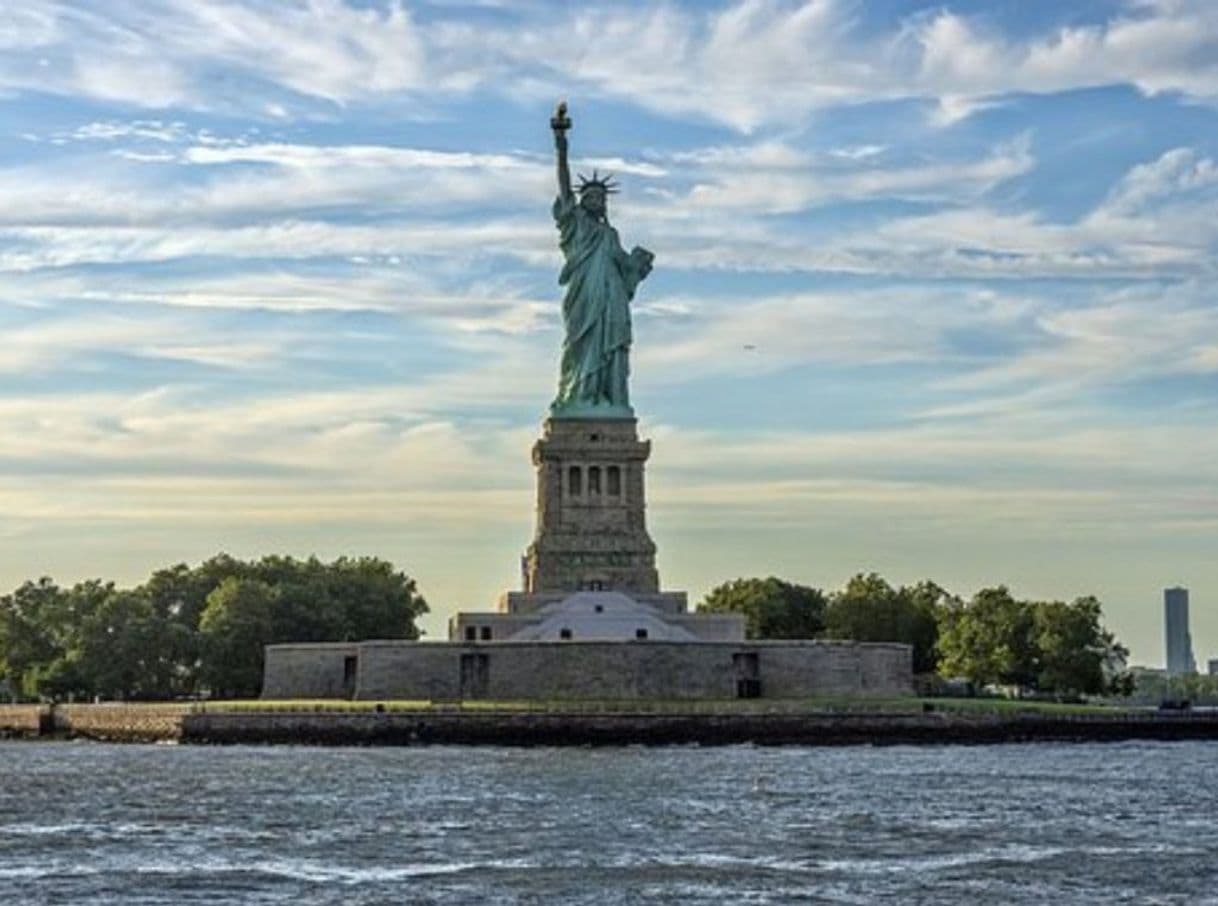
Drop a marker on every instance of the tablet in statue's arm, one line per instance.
(642, 259)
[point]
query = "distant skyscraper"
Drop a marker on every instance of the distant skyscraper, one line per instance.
(1179, 640)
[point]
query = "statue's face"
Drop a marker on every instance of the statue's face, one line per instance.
(593, 201)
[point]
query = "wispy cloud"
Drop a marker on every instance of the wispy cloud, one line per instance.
(169, 53)
(771, 178)
(1155, 222)
(744, 63)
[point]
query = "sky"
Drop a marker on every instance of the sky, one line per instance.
(934, 289)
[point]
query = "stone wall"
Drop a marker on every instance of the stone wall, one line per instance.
(715, 726)
(429, 671)
(511, 671)
(21, 720)
(775, 722)
(312, 670)
(880, 671)
(121, 722)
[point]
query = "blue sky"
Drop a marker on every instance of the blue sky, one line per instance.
(934, 290)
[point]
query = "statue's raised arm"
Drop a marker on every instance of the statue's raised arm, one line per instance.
(560, 123)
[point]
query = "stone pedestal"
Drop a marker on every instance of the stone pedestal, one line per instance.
(591, 530)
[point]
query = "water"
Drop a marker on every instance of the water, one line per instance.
(88, 823)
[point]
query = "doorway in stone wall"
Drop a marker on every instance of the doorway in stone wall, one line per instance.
(747, 668)
(475, 675)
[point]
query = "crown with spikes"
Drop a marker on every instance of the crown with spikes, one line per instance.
(604, 183)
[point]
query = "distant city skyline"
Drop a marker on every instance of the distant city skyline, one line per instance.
(933, 291)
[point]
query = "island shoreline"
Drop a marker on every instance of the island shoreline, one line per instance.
(578, 726)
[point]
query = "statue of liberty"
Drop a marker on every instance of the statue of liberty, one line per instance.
(600, 278)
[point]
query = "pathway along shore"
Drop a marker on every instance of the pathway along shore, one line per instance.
(278, 723)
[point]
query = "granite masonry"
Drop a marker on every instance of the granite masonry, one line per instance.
(585, 671)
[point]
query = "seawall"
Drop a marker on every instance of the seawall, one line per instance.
(111, 722)
(724, 728)
(20, 721)
(450, 724)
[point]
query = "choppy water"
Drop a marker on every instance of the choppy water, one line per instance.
(85, 823)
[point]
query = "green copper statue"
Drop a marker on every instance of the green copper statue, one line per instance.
(600, 278)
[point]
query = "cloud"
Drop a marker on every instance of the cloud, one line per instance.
(952, 108)
(46, 346)
(1122, 338)
(748, 64)
(1155, 46)
(984, 353)
(1155, 223)
(986, 356)
(40, 247)
(262, 181)
(147, 452)
(166, 455)
(324, 48)
(713, 208)
(145, 157)
(773, 178)
(167, 315)
(1178, 174)
(765, 62)
(112, 130)
(341, 156)
(1059, 460)
(169, 52)
(859, 327)
(858, 152)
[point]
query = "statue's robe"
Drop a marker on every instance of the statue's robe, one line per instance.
(600, 278)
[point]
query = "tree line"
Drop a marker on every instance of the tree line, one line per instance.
(192, 631)
(200, 631)
(991, 639)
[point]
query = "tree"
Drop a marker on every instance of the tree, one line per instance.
(868, 609)
(66, 676)
(178, 595)
(237, 622)
(772, 608)
(1075, 654)
(378, 600)
(925, 601)
(119, 648)
(153, 642)
(1044, 646)
(309, 606)
(36, 617)
(282, 599)
(989, 640)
